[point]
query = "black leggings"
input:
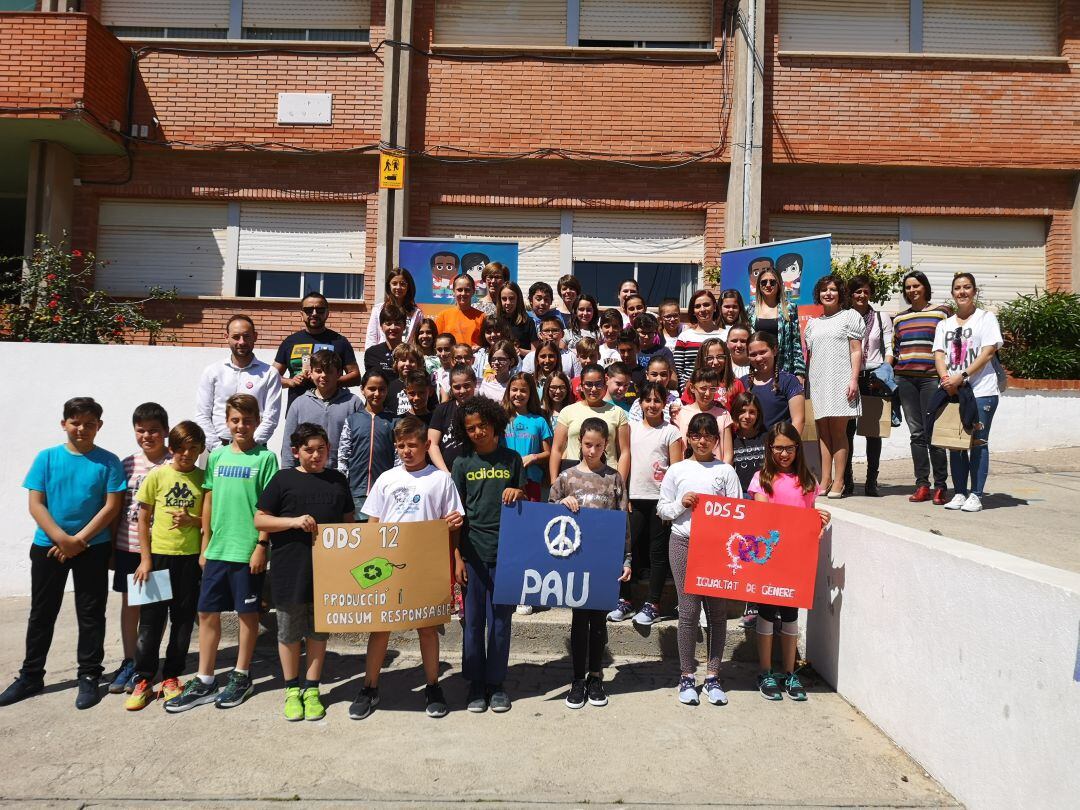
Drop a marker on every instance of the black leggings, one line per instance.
(588, 637)
(649, 537)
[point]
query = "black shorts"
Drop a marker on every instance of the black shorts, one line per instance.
(230, 586)
(785, 613)
(124, 563)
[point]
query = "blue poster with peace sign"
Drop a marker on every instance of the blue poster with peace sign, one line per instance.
(552, 557)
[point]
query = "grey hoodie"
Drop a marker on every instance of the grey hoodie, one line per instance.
(310, 407)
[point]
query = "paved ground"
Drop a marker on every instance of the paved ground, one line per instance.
(1032, 508)
(642, 749)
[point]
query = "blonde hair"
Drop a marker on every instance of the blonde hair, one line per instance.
(782, 305)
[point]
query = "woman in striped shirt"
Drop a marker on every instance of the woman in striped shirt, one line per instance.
(917, 380)
(702, 313)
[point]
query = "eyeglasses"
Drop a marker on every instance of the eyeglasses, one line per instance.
(594, 384)
(784, 449)
(694, 437)
(314, 310)
(499, 360)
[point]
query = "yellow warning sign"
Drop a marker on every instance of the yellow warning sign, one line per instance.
(391, 170)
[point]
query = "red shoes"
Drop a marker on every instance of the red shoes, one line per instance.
(940, 496)
(919, 495)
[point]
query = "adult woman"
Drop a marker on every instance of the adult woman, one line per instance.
(917, 380)
(779, 392)
(627, 288)
(494, 275)
(964, 349)
(522, 327)
(702, 314)
(732, 311)
(583, 320)
(738, 344)
(877, 349)
(401, 290)
(774, 314)
(566, 446)
(834, 351)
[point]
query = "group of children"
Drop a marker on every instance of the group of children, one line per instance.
(467, 416)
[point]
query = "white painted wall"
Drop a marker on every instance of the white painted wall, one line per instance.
(41, 377)
(969, 659)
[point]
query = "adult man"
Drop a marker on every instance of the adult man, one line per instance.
(294, 351)
(242, 373)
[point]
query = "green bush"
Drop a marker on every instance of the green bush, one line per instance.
(885, 279)
(1042, 336)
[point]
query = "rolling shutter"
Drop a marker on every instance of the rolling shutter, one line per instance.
(991, 27)
(851, 236)
(536, 230)
(846, 26)
(1006, 255)
(500, 22)
(164, 244)
(639, 236)
(640, 20)
(296, 236)
(325, 14)
(161, 14)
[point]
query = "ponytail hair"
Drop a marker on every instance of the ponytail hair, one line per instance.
(769, 340)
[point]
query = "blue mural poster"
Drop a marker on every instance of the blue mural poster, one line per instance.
(435, 262)
(800, 262)
(552, 557)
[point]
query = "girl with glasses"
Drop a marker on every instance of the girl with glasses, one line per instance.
(503, 358)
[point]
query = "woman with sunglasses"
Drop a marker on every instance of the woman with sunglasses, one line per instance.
(773, 314)
(964, 349)
(400, 289)
(917, 380)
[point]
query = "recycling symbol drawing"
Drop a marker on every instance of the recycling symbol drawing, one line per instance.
(562, 536)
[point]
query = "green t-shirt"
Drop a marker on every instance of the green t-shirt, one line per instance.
(170, 491)
(237, 480)
(480, 481)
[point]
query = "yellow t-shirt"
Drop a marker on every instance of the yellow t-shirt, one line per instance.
(169, 491)
(464, 326)
(572, 416)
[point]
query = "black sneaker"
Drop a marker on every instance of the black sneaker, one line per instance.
(769, 688)
(436, 701)
(365, 703)
(195, 693)
(89, 694)
(477, 699)
(237, 690)
(498, 700)
(594, 686)
(576, 698)
(793, 686)
(20, 689)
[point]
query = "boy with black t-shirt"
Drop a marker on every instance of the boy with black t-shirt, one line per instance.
(293, 504)
(419, 391)
(392, 321)
(446, 442)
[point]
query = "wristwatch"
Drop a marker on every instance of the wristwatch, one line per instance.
(964, 374)
(263, 543)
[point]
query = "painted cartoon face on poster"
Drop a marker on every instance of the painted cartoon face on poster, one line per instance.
(790, 266)
(444, 269)
(473, 264)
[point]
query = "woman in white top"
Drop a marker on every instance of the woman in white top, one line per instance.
(877, 349)
(834, 358)
(401, 289)
(964, 349)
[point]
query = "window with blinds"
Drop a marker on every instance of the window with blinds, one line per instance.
(844, 25)
(193, 19)
(991, 27)
(322, 21)
(646, 23)
(500, 22)
(851, 236)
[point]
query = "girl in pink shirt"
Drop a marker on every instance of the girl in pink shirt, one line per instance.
(704, 383)
(785, 480)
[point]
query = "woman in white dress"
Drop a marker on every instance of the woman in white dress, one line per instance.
(834, 359)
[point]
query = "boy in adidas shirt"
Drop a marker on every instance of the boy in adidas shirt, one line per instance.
(233, 556)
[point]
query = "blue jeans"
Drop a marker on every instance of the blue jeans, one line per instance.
(485, 653)
(976, 461)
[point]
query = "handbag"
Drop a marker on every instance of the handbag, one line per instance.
(875, 421)
(949, 432)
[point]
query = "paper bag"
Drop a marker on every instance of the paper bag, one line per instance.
(949, 431)
(809, 431)
(876, 419)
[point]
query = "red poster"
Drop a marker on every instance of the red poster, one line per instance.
(753, 552)
(806, 312)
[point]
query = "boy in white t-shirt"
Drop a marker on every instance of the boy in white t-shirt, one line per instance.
(415, 491)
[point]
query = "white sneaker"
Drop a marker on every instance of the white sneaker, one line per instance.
(957, 502)
(524, 610)
(702, 619)
(972, 504)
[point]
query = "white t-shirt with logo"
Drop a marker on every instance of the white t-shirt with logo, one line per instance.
(649, 458)
(980, 330)
(400, 496)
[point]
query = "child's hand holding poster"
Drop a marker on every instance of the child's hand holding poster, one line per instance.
(751, 551)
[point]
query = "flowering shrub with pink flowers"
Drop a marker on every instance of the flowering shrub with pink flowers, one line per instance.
(49, 297)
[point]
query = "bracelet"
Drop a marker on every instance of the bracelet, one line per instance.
(263, 543)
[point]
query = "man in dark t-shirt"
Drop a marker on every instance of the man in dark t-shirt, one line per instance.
(293, 353)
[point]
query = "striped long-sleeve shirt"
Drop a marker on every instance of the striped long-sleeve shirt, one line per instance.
(913, 341)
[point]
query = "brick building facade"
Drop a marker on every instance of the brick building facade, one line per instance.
(599, 133)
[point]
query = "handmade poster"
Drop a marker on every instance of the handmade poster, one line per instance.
(381, 576)
(753, 552)
(435, 262)
(552, 557)
(801, 262)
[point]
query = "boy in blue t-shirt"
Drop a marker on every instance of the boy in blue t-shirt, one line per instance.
(76, 491)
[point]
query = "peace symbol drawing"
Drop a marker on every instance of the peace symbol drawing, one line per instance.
(562, 536)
